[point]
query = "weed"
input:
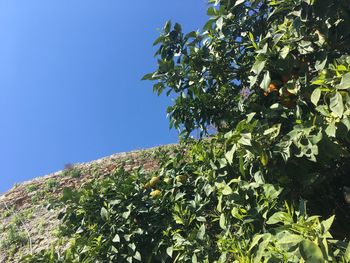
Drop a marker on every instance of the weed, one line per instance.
(51, 184)
(31, 188)
(71, 170)
(13, 238)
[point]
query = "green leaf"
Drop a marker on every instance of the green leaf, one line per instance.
(227, 190)
(147, 76)
(241, 164)
(326, 224)
(238, 2)
(219, 205)
(194, 258)
(201, 232)
(137, 256)
(262, 248)
(245, 139)
(310, 252)
(212, 11)
(222, 221)
(178, 28)
(266, 81)
(229, 155)
(220, 23)
(264, 158)
(169, 251)
(255, 241)
(331, 129)
(287, 238)
(347, 253)
(116, 239)
(336, 104)
(320, 64)
(167, 26)
(284, 52)
(315, 96)
(158, 40)
(279, 217)
(345, 82)
(104, 213)
(258, 66)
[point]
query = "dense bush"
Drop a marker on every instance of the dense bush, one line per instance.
(273, 78)
(198, 208)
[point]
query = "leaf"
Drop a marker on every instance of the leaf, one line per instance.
(222, 221)
(167, 26)
(347, 253)
(238, 2)
(264, 158)
(116, 239)
(284, 52)
(261, 248)
(219, 205)
(229, 155)
(326, 224)
(169, 251)
(104, 213)
(227, 190)
(266, 81)
(147, 76)
(194, 258)
(310, 252)
(201, 232)
(137, 256)
(315, 96)
(258, 66)
(241, 164)
(158, 40)
(345, 82)
(245, 139)
(331, 129)
(320, 64)
(278, 217)
(220, 23)
(336, 104)
(255, 241)
(211, 11)
(177, 28)
(286, 238)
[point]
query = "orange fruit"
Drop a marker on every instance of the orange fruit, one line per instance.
(181, 179)
(155, 194)
(272, 87)
(154, 180)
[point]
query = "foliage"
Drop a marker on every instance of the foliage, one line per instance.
(13, 238)
(273, 77)
(205, 212)
(71, 170)
(286, 65)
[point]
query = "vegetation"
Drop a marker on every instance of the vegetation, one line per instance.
(273, 78)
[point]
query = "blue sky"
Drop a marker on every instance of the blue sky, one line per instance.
(70, 80)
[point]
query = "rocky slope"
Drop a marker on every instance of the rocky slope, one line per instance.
(28, 223)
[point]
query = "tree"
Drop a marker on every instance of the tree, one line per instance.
(285, 64)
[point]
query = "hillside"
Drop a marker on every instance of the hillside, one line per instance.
(28, 224)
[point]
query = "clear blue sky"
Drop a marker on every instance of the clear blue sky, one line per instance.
(70, 80)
